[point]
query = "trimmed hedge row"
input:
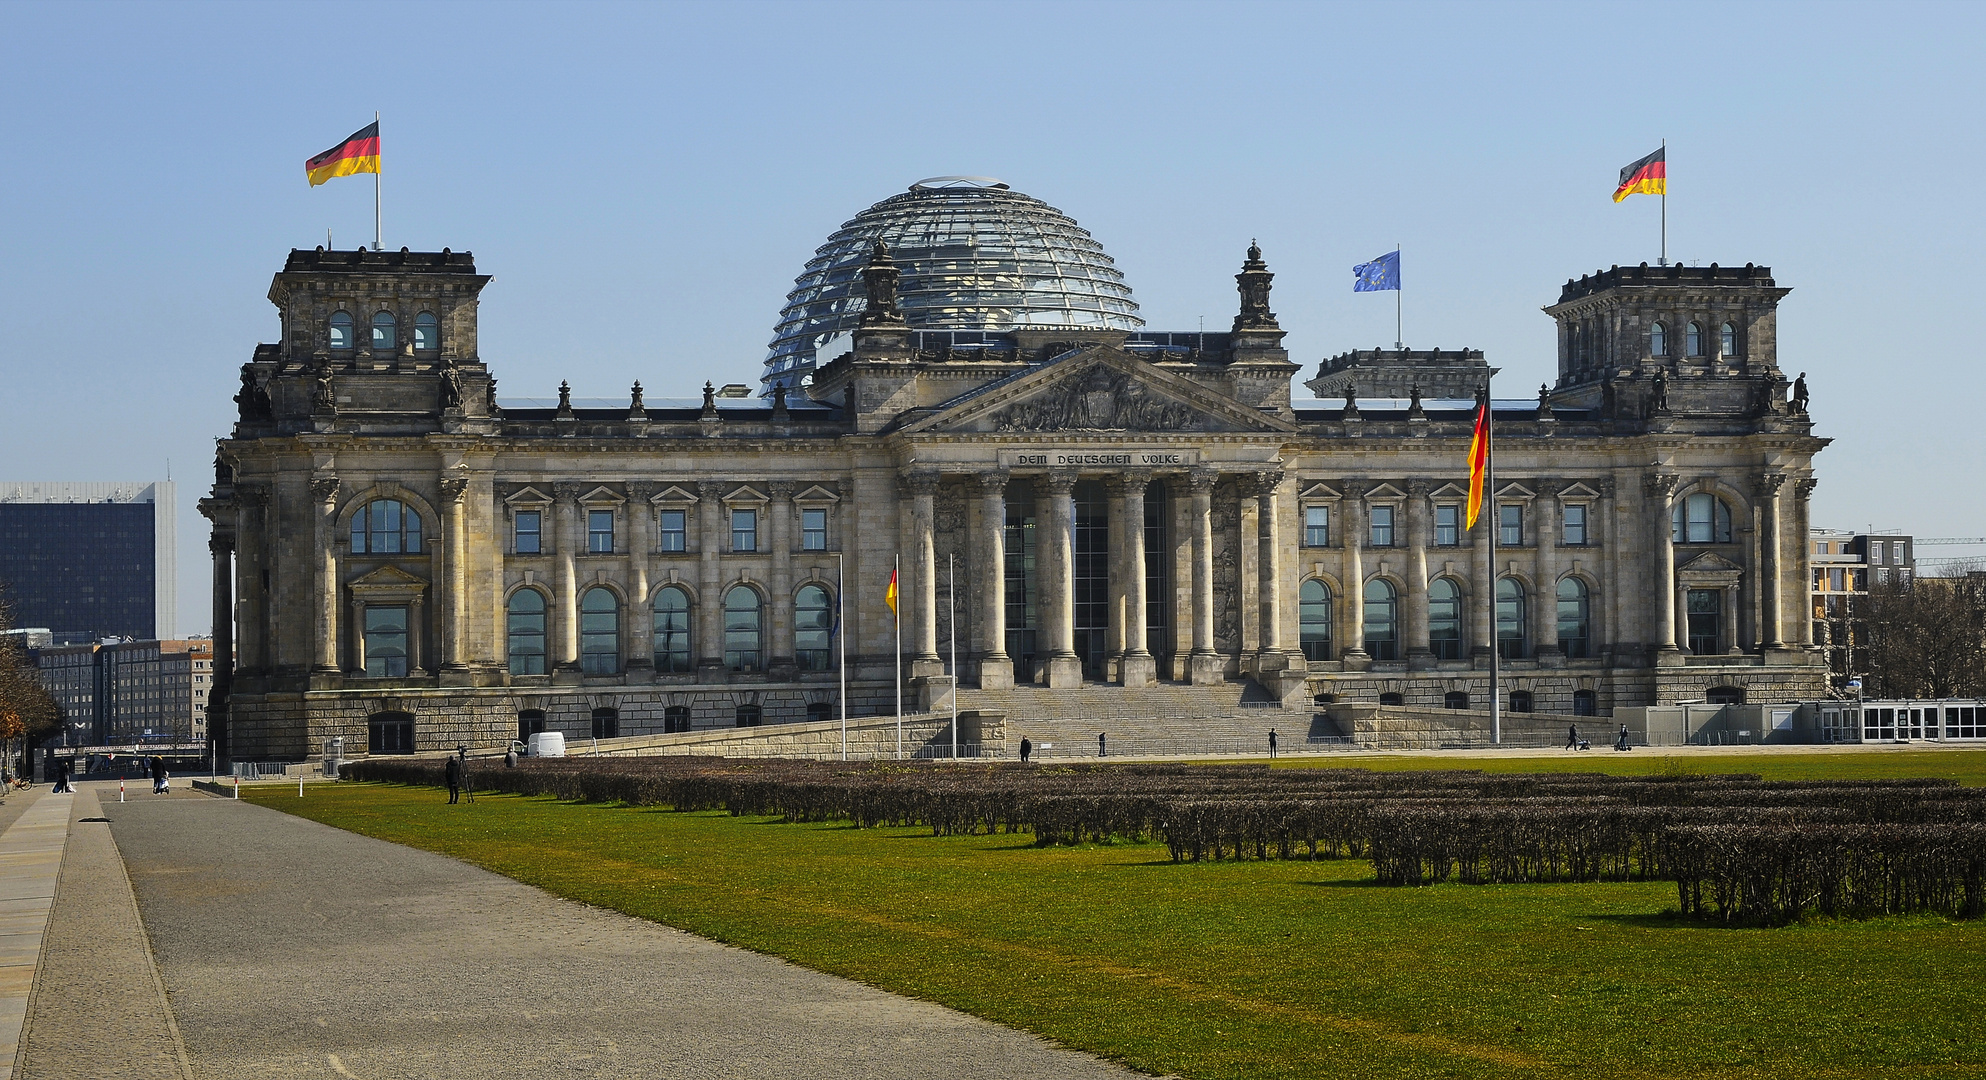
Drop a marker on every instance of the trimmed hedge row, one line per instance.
(1740, 849)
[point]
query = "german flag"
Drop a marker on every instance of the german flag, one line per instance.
(1649, 176)
(890, 596)
(1478, 461)
(357, 154)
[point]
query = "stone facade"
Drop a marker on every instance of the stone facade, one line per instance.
(393, 546)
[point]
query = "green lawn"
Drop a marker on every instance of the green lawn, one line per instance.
(1259, 969)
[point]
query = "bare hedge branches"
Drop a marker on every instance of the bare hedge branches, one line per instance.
(1739, 849)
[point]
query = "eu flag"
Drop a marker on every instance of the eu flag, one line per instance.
(1379, 275)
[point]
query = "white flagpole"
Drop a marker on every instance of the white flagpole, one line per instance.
(896, 616)
(1496, 525)
(952, 584)
(1399, 333)
(841, 626)
(376, 242)
(1665, 201)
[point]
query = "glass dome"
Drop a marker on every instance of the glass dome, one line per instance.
(975, 255)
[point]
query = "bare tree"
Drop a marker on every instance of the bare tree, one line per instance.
(1927, 638)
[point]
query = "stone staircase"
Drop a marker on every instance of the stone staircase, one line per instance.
(1164, 720)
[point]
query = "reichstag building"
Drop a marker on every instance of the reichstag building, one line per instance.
(962, 382)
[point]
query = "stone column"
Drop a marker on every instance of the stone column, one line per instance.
(1544, 573)
(357, 659)
(455, 602)
(1115, 633)
(780, 648)
(1057, 646)
(1803, 492)
(640, 661)
(1727, 624)
(565, 509)
(1204, 665)
(996, 668)
(1270, 655)
(417, 624)
(1354, 605)
(1771, 572)
(1419, 654)
(251, 637)
(708, 640)
(1658, 490)
(1479, 629)
(1136, 667)
(923, 584)
(222, 552)
(324, 492)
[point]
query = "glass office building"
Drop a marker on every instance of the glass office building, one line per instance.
(88, 560)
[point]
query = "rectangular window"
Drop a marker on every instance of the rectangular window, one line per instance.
(1882, 575)
(813, 530)
(1510, 526)
(675, 530)
(529, 532)
(1382, 526)
(1447, 525)
(1705, 609)
(1575, 526)
(1316, 526)
(744, 530)
(386, 642)
(600, 532)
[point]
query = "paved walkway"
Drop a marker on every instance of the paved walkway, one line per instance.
(248, 943)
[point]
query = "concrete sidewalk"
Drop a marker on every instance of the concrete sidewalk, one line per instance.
(248, 943)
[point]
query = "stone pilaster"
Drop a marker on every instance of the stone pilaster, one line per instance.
(1205, 666)
(780, 648)
(324, 496)
(455, 601)
(1658, 491)
(1771, 570)
(1354, 606)
(640, 661)
(1419, 653)
(708, 640)
(1136, 667)
(922, 588)
(1063, 668)
(565, 511)
(996, 668)
(1546, 525)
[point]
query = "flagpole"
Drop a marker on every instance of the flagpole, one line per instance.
(1496, 525)
(1665, 201)
(841, 625)
(896, 617)
(376, 242)
(1398, 335)
(952, 585)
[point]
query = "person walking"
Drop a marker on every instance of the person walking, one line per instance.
(1100, 746)
(61, 777)
(452, 773)
(158, 775)
(1272, 742)
(1621, 743)
(510, 758)
(1572, 737)
(1026, 749)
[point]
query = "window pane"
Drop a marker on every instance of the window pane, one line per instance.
(341, 330)
(1509, 619)
(672, 631)
(1658, 340)
(383, 336)
(1696, 509)
(744, 530)
(1317, 526)
(386, 642)
(384, 515)
(1381, 640)
(1446, 525)
(1705, 606)
(427, 332)
(1382, 526)
(1314, 612)
(674, 532)
(741, 629)
(813, 623)
(528, 535)
(359, 532)
(600, 532)
(1573, 622)
(1444, 619)
(813, 530)
(1728, 340)
(1512, 531)
(599, 633)
(527, 633)
(1575, 525)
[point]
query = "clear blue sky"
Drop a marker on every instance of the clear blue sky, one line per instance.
(645, 182)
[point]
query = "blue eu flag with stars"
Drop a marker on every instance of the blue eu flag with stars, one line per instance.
(1379, 275)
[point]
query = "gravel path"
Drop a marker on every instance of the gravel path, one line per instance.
(291, 949)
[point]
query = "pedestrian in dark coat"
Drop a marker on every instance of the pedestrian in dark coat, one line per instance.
(1100, 750)
(453, 774)
(1572, 737)
(1026, 749)
(1272, 742)
(158, 775)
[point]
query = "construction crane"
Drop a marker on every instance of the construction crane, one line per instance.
(1952, 541)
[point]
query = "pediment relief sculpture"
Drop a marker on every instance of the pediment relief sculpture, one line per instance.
(1101, 399)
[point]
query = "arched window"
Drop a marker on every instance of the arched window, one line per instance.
(386, 527)
(1382, 639)
(675, 719)
(1509, 619)
(1585, 703)
(527, 632)
(1455, 699)
(750, 716)
(1575, 622)
(427, 332)
(390, 733)
(1444, 619)
(1693, 339)
(672, 631)
(341, 329)
(384, 331)
(1658, 340)
(813, 628)
(606, 723)
(1727, 340)
(742, 619)
(1392, 699)
(1314, 618)
(599, 632)
(1701, 518)
(1520, 701)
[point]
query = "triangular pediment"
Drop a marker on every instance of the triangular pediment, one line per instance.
(391, 577)
(527, 498)
(602, 496)
(1578, 491)
(1709, 563)
(1320, 491)
(1450, 491)
(817, 494)
(673, 494)
(746, 493)
(1385, 491)
(1515, 491)
(1100, 388)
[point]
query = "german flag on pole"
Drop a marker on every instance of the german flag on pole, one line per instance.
(1649, 176)
(1478, 461)
(357, 154)
(890, 596)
